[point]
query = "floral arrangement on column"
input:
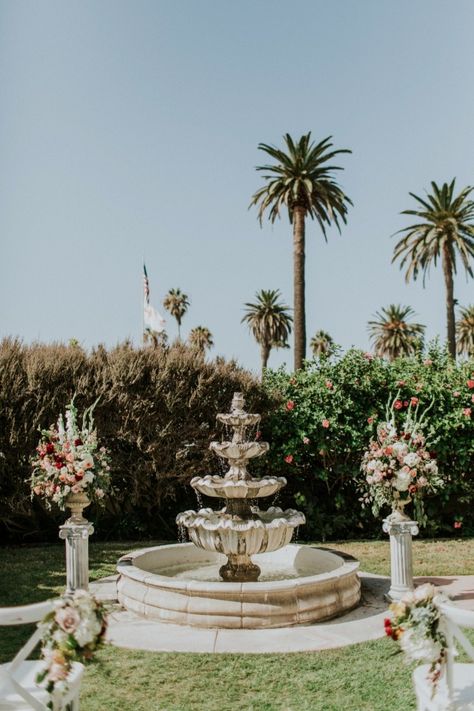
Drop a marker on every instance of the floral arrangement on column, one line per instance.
(398, 466)
(68, 460)
(73, 632)
(414, 622)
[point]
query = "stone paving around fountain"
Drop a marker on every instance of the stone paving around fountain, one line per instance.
(362, 624)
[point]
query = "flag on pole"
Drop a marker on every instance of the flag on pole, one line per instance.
(152, 320)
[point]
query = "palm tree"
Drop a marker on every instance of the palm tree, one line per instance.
(445, 229)
(200, 338)
(301, 180)
(177, 304)
(322, 344)
(269, 321)
(465, 331)
(392, 335)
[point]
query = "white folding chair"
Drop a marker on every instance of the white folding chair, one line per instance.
(18, 688)
(455, 690)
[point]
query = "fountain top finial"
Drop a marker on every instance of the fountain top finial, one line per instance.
(237, 405)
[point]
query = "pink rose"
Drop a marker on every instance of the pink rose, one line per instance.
(398, 404)
(470, 384)
(325, 424)
(290, 405)
(57, 672)
(289, 458)
(305, 440)
(370, 420)
(67, 618)
(467, 411)
(414, 401)
(329, 385)
(457, 524)
(456, 393)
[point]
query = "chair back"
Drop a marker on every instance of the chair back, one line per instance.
(454, 618)
(23, 615)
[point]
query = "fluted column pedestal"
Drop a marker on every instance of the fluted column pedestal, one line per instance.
(76, 536)
(401, 530)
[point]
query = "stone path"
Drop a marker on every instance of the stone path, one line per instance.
(362, 624)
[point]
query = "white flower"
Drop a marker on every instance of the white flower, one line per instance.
(419, 647)
(87, 630)
(424, 592)
(411, 459)
(431, 467)
(403, 481)
(88, 477)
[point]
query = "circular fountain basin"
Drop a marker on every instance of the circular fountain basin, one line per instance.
(238, 489)
(180, 583)
(220, 532)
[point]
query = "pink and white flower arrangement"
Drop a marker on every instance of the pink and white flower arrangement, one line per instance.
(398, 467)
(68, 460)
(414, 622)
(73, 631)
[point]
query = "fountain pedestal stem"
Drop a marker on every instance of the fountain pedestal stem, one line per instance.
(239, 569)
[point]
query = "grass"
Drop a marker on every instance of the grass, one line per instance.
(365, 677)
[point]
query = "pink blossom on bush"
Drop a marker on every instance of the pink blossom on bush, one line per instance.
(289, 458)
(306, 440)
(290, 405)
(325, 423)
(398, 404)
(467, 411)
(329, 385)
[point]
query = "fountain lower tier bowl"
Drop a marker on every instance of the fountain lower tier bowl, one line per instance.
(238, 489)
(223, 533)
(180, 584)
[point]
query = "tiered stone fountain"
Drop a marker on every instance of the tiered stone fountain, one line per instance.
(239, 530)
(213, 581)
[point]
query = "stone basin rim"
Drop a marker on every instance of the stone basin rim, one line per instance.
(125, 567)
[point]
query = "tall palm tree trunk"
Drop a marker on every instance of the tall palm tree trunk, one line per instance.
(264, 355)
(299, 286)
(448, 280)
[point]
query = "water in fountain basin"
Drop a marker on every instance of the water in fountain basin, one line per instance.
(209, 572)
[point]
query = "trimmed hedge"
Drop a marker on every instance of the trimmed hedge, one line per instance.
(156, 414)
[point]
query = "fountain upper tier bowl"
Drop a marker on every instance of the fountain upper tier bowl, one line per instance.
(224, 488)
(180, 583)
(239, 450)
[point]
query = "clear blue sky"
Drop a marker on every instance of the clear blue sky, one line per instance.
(130, 129)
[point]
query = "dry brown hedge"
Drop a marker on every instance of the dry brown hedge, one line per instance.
(156, 414)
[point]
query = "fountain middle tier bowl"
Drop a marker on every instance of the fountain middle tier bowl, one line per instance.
(180, 583)
(238, 489)
(239, 450)
(223, 533)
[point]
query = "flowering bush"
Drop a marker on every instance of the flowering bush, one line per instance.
(414, 622)
(397, 466)
(324, 473)
(74, 630)
(69, 461)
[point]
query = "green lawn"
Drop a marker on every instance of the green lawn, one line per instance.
(367, 677)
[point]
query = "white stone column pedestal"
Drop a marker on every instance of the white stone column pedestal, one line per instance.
(401, 530)
(76, 536)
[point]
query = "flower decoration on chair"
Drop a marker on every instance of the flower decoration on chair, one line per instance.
(69, 461)
(415, 623)
(398, 467)
(74, 630)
